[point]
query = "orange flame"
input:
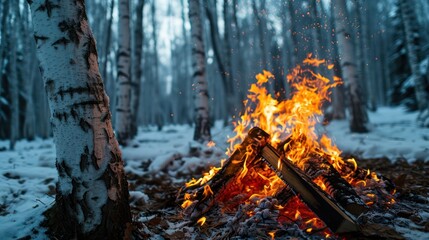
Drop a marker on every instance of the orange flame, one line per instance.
(295, 119)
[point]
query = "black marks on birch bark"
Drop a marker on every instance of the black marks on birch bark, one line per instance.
(94, 160)
(91, 48)
(47, 6)
(61, 116)
(71, 91)
(84, 206)
(87, 103)
(42, 70)
(84, 161)
(50, 85)
(41, 38)
(62, 41)
(105, 116)
(73, 30)
(67, 169)
(84, 125)
(60, 169)
(72, 61)
(74, 114)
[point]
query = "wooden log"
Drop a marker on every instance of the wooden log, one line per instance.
(335, 217)
(337, 187)
(247, 152)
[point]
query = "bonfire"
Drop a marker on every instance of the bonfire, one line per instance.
(255, 195)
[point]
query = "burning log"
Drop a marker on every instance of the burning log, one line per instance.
(335, 217)
(256, 145)
(206, 195)
(319, 167)
(338, 187)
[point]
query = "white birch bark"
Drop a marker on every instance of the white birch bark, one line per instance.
(92, 191)
(124, 83)
(409, 22)
(200, 87)
(358, 114)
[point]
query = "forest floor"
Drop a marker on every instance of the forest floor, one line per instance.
(159, 163)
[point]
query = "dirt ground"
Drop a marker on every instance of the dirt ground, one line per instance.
(161, 216)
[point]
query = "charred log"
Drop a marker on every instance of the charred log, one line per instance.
(245, 154)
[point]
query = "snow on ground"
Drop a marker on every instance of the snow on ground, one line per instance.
(394, 134)
(27, 180)
(28, 174)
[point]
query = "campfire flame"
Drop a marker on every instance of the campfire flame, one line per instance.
(295, 119)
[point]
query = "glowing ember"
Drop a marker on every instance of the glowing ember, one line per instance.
(201, 221)
(211, 144)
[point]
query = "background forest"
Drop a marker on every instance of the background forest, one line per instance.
(240, 37)
(110, 111)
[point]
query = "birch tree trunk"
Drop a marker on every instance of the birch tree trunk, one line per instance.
(338, 98)
(358, 114)
(200, 87)
(138, 47)
(124, 84)
(92, 191)
(410, 24)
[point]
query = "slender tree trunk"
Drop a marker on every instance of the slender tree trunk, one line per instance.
(231, 98)
(106, 51)
(240, 69)
(187, 80)
(410, 24)
(293, 33)
(158, 114)
(137, 66)
(200, 87)
(358, 115)
(13, 79)
(222, 62)
(124, 83)
(3, 41)
(316, 30)
(338, 98)
(92, 190)
(362, 52)
(261, 25)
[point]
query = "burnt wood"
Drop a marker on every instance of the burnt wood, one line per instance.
(255, 140)
(335, 217)
(337, 187)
